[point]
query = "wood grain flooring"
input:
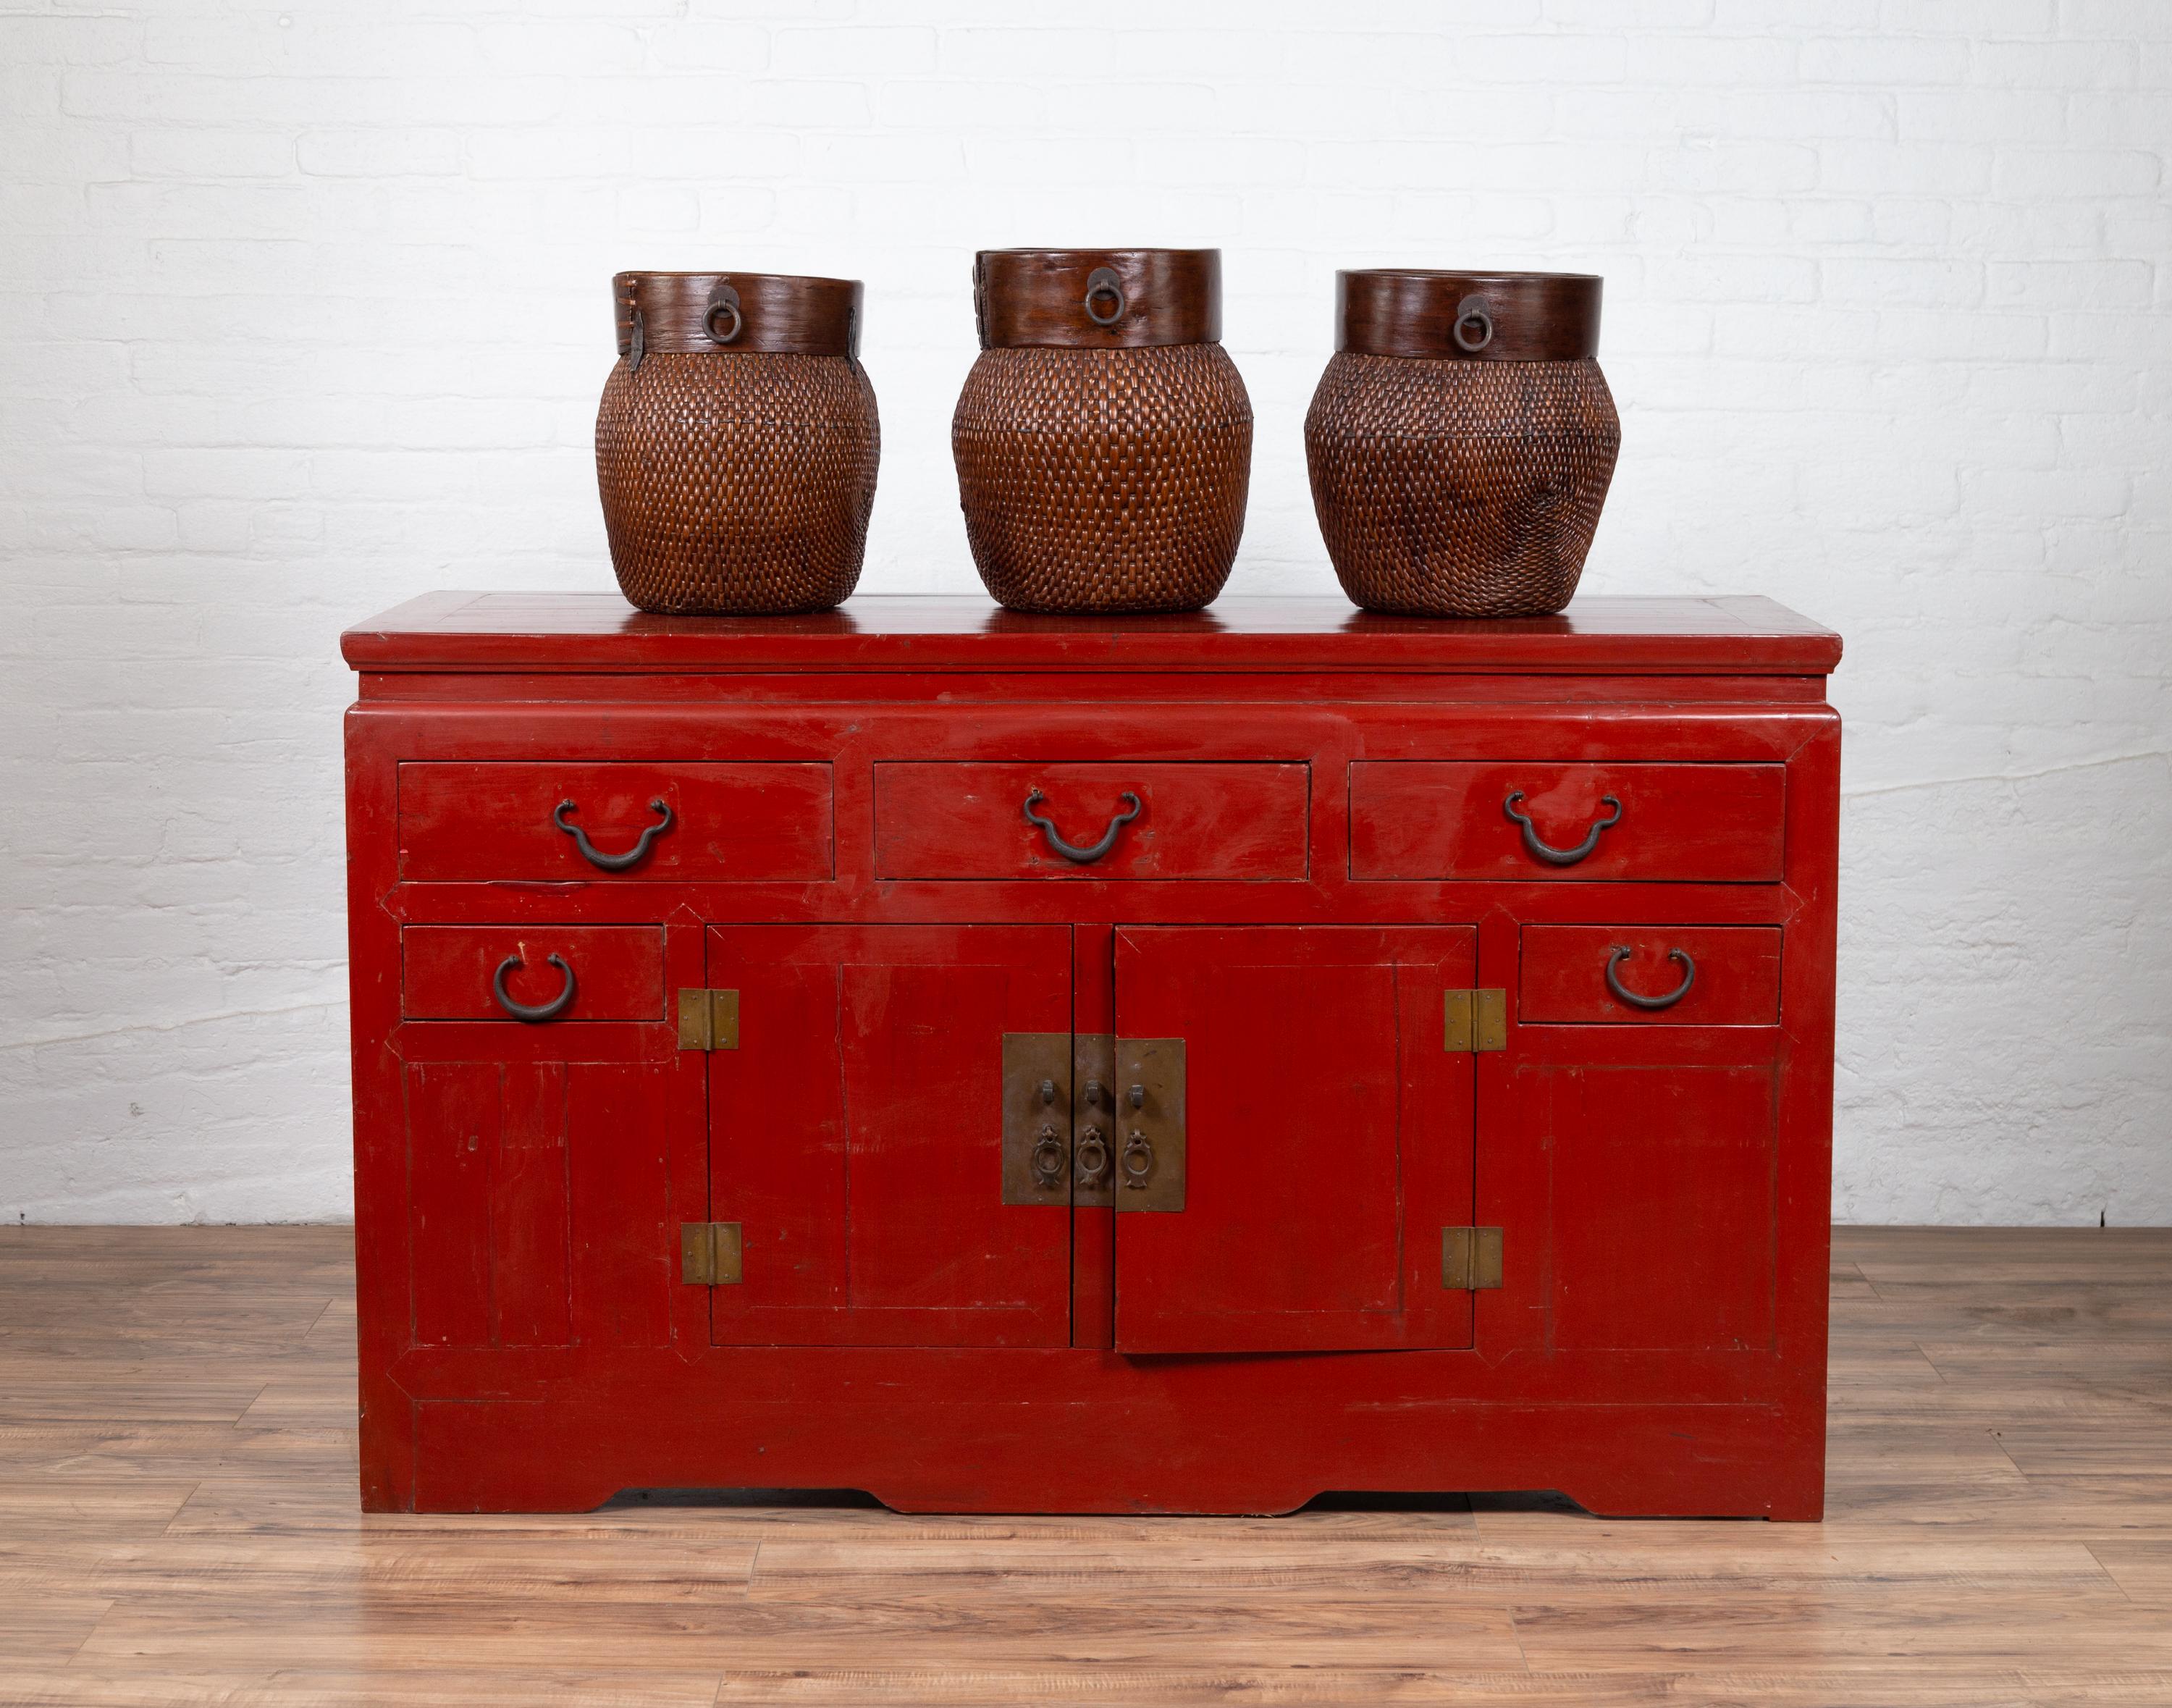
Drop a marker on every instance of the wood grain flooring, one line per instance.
(177, 1526)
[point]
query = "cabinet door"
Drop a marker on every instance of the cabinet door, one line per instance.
(540, 1206)
(1659, 1184)
(856, 1136)
(1327, 1138)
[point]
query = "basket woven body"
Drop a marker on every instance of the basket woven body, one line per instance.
(1103, 479)
(1462, 440)
(735, 480)
(1104, 438)
(1459, 489)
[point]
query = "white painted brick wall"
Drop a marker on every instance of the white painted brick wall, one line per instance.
(305, 311)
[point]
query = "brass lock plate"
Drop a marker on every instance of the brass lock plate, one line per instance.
(1094, 1121)
(1036, 1118)
(1149, 1140)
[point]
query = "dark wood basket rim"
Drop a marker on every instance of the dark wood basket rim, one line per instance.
(731, 273)
(768, 314)
(1097, 299)
(1464, 314)
(1476, 275)
(1098, 254)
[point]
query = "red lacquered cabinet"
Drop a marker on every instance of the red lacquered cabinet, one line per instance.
(1039, 1064)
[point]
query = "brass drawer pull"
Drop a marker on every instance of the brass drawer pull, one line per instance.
(1071, 850)
(542, 1011)
(1621, 952)
(613, 862)
(1560, 857)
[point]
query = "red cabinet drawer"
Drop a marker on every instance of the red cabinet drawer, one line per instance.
(468, 822)
(1732, 972)
(1711, 824)
(447, 971)
(1237, 821)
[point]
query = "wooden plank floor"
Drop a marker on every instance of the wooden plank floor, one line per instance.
(178, 1525)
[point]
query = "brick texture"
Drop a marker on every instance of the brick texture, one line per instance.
(304, 312)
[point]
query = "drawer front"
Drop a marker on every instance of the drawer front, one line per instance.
(1707, 824)
(463, 823)
(450, 972)
(1672, 975)
(1234, 822)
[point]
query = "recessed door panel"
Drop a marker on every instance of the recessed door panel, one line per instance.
(1327, 1136)
(856, 1136)
(542, 1204)
(1663, 1203)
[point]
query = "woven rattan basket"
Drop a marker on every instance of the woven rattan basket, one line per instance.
(737, 443)
(1104, 438)
(1462, 440)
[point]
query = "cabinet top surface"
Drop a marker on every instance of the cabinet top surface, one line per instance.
(600, 632)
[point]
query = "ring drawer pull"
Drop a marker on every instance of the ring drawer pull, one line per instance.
(1137, 1162)
(613, 862)
(1071, 850)
(1560, 857)
(1621, 952)
(541, 1011)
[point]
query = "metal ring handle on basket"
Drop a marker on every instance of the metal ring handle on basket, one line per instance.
(1473, 311)
(723, 300)
(1103, 281)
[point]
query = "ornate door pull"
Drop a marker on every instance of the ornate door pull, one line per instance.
(613, 862)
(1071, 851)
(539, 1011)
(1621, 952)
(1091, 1153)
(1560, 857)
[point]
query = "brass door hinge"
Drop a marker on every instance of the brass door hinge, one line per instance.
(1470, 1257)
(708, 1019)
(1475, 1020)
(709, 1253)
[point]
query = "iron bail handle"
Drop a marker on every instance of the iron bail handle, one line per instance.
(538, 1012)
(1621, 952)
(1539, 850)
(613, 862)
(1071, 850)
(1137, 1162)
